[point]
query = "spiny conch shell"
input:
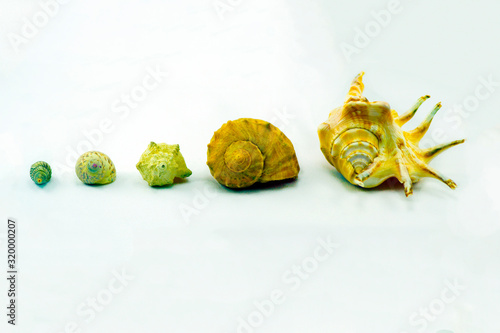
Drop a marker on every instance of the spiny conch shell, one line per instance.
(245, 151)
(160, 164)
(364, 141)
(94, 167)
(40, 172)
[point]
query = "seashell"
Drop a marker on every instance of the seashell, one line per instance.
(364, 141)
(161, 163)
(94, 167)
(245, 151)
(40, 172)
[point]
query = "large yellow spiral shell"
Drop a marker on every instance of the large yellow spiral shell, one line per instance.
(245, 151)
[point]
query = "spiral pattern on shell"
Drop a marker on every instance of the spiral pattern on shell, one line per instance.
(94, 167)
(40, 172)
(245, 151)
(357, 146)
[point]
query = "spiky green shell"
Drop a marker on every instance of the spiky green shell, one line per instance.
(94, 167)
(161, 163)
(40, 172)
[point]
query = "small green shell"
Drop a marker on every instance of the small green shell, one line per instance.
(94, 167)
(40, 172)
(161, 163)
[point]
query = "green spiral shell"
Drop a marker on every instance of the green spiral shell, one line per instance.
(40, 172)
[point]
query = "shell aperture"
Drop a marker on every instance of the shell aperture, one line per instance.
(364, 141)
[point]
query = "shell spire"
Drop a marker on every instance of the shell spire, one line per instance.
(364, 141)
(356, 90)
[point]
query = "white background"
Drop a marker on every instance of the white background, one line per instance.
(276, 60)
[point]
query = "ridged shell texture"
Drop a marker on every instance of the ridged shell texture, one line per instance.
(40, 172)
(245, 151)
